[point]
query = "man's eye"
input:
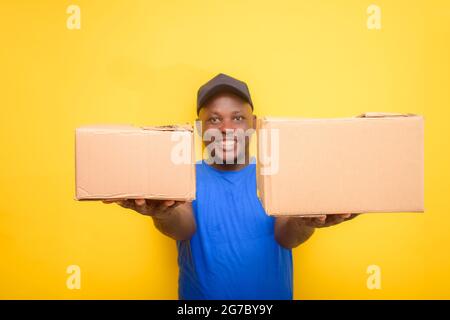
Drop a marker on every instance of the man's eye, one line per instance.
(239, 118)
(214, 120)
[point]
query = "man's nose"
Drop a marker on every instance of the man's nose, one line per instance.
(227, 126)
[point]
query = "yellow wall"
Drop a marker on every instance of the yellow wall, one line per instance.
(141, 62)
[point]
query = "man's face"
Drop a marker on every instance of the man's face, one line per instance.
(229, 121)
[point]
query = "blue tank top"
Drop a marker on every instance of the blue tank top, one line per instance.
(233, 253)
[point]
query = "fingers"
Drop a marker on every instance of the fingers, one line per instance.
(345, 217)
(328, 220)
(179, 203)
(168, 203)
(166, 207)
(323, 220)
(127, 204)
(149, 207)
(353, 216)
(319, 220)
(139, 202)
(172, 204)
(138, 205)
(109, 201)
(153, 207)
(314, 222)
(163, 205)
(334, 219)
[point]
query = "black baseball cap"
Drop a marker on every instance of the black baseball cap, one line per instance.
(221, 83)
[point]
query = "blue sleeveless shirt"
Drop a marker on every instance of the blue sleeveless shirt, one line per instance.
(233, 253)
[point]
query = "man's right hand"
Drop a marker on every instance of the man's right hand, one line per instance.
(175, 219)
(158, 209)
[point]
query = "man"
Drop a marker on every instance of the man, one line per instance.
(228, 247)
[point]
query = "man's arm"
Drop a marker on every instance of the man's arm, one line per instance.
(290, 232)
(174, 219)
(179, 224)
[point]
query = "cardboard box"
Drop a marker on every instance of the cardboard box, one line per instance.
(116, 162)
(370, 163)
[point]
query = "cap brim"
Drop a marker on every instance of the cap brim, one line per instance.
(218, 89)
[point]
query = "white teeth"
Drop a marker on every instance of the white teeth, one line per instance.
(227, 145)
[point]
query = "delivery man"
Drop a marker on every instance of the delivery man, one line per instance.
(228, 247)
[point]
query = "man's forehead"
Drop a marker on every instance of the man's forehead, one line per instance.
(228, 103)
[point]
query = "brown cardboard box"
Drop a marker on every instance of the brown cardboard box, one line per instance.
(115, 162)
(370, 163)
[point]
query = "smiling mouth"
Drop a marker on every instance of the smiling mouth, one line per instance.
(226, 145)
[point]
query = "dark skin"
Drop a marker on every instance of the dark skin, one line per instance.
(227, 112)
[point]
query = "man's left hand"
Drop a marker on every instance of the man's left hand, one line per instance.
(325, 220)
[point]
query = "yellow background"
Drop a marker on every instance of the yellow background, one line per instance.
(141, 62)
